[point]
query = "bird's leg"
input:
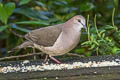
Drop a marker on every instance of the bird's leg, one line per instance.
(55, 60)
(46, 59)
(35, 57)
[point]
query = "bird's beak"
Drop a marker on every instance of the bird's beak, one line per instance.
(84, 26)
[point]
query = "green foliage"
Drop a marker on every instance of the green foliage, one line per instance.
(33, 22)
(2, 28)
(14, 26)
(87, 6)
(31, 13)
(6, 11)
(99, 42)
(23, 2)
(103, 35)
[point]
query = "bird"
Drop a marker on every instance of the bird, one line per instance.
(55, 40)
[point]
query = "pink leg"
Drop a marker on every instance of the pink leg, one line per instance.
(55, 60)
(46, 59)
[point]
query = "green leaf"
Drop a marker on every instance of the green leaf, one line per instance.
(2, 28)
(31, 13)
(96, 43)
(108, 27)
(22, 2)
(86, 43)
(92, 37)
(40, 3)
(92, 47)
(81, 50)
(20, 28)
(3, 14)
(88, 53)
(116, 3)
(34, 22)
(101, 32)
(9, 8)
(6, 11)
(115, 50)
(1, 4)
(87, 6)
(103, 35)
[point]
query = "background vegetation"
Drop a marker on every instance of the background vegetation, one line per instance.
(22, 16)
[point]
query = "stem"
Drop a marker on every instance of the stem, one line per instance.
(113, 14)
(96, 26)
(88, 27)
(12, 57)
(7, 41)
(97, 51)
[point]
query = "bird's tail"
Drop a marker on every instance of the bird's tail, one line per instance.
(23, 45)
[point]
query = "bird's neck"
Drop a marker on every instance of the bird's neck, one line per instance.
(68, 27)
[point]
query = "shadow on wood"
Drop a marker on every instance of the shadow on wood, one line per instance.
(91, 73)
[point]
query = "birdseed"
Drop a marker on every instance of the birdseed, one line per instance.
(63, 66)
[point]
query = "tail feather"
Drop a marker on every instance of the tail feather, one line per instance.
(23, 45)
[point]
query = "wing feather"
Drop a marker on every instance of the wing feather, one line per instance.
(45, 36)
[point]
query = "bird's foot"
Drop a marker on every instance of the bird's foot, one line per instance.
(55, 60)
(52, 58)
(46, 59)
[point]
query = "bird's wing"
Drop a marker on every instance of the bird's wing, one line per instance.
(45, 36)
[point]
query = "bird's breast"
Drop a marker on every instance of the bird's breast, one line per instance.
(65, 43)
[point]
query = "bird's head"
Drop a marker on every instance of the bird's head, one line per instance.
(80, 21)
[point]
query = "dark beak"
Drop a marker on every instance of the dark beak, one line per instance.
(84, 26)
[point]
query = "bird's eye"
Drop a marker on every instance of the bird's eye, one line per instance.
(79, 20)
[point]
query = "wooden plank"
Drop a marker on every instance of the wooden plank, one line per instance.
(93, 73)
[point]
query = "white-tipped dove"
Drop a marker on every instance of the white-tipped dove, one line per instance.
(56, 40)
